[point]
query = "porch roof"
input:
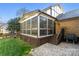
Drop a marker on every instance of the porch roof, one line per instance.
(34, 12)
(69, 19)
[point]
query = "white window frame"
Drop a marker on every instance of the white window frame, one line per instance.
(30, 28)
(43, 28)
(38, 28)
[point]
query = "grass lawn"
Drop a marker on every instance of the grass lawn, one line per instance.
(13, 47)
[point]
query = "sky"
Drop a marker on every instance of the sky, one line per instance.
(9, 10)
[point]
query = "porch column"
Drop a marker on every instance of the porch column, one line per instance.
(38, 26)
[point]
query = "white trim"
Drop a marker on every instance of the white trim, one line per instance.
(47, 26)
(38, 26)
(30, 26)
(47, 17)
(29, 35)
(34, 28)
(36, 36)
(45, 36)
(29, 18)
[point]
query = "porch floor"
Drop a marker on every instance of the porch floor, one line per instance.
(63, 49)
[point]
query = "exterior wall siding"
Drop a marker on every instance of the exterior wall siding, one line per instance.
(70, 26)
(57, 27)
(54, 10)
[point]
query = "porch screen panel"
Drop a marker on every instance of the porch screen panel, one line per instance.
(23, 29)
(46, 26)
(28, 26)
(43, 26)
(35, 26)
(50, 26)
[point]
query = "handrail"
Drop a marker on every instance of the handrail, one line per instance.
(60, 35)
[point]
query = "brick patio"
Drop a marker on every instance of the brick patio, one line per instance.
(63, 49)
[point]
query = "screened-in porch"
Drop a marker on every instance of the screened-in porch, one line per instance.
(38, 26)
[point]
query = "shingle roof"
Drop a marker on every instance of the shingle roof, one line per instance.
(36, 12)
(70, 14)
(40, 12)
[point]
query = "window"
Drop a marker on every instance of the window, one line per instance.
(25, 25)
(43, 26)
(28, 31)
(46, 26)
(50, 26)
(43, 22)
(24, 31)
(23, 28)
(30, 27)
(22, 25)
(28, 24)
(35, 26)
(34, 22)
(43, 32)
(34, 32)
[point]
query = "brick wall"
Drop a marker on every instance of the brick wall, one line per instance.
(35, 41)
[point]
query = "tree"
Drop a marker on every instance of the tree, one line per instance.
(21, 12)
(13, 25)
(1, 23)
